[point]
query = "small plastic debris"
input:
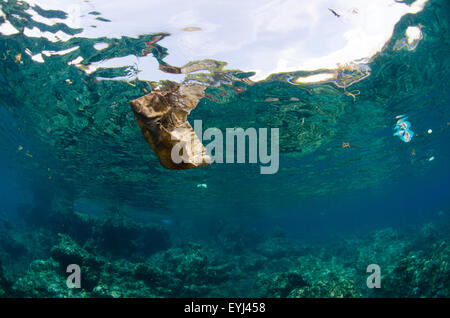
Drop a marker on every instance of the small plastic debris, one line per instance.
(334, 13)
(430, 131)
(19, 58)
(352, 94)
(431, 158)
(348, 145)
(202, 185)
(351, 73)
(20, 148)
(192, 28)
(402, 129)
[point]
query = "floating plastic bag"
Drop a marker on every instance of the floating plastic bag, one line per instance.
(402, 129)
(162, 117)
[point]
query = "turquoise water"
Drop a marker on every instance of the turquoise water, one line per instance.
(80, 185)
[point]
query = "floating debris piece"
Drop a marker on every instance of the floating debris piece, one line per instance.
(294, 99)
(344, 76)
(272, 99)
(402, 129)
(68, 81)
(20, 148)
(162, 117)
(353, 93)
(348, 145)
(431, 158)
(351, 73)
(19, 58)
(429, 131)
(202, 185)
(190, 29)
(334, 13)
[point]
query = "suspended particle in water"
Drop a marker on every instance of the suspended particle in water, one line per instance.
(18, 58)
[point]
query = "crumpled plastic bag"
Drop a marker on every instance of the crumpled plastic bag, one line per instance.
(162, 117)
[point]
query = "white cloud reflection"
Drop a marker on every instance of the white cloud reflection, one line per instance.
(264, 36)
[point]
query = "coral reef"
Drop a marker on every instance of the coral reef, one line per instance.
(5, 288)
(423, 273)
(414, 261)
(113, 233)
(122, 237)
